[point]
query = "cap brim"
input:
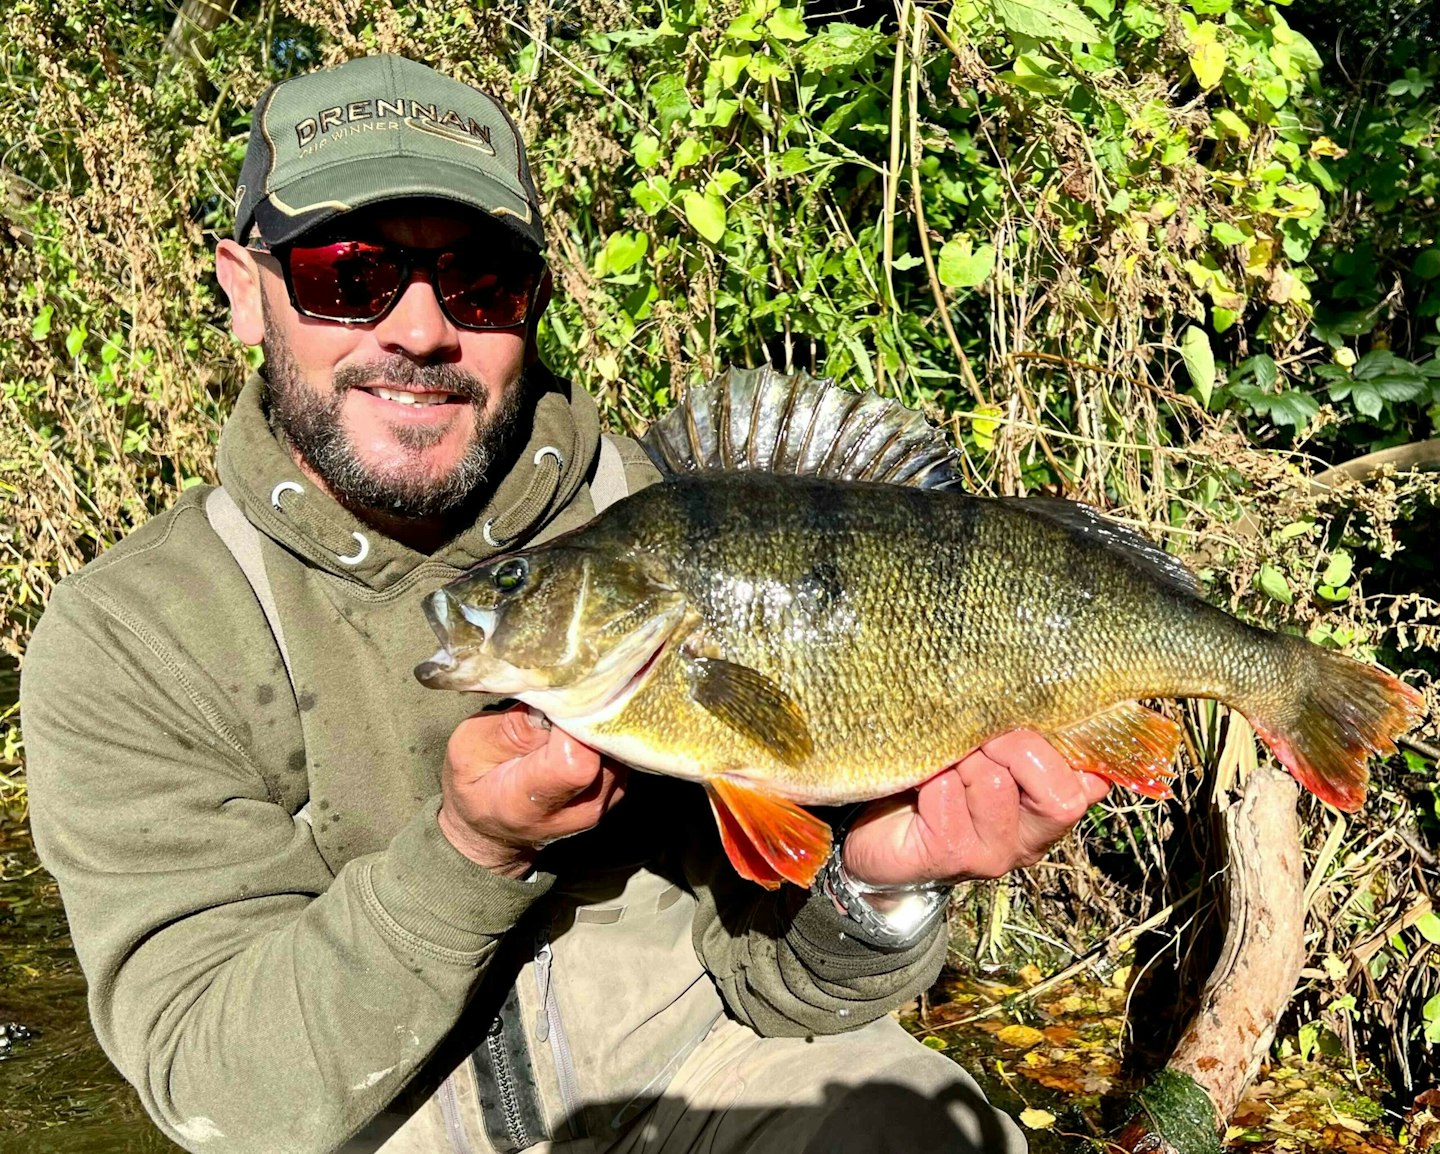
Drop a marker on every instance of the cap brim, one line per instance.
(321, 196)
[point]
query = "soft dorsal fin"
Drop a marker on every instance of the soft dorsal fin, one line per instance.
(1084, 521)
(761, 420)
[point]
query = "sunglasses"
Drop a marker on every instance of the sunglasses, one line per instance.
(356, 282)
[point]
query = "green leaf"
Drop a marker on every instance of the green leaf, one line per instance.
(1046, 20)
(1227, 233)
(706, 214)
(671, 100)
(1431, 1013)
(1207, 61)
(962, 267)
(1340, 568)
(75, 340)
(1427, 264)
(1273, 583)
(40, 329)
(1199, 360)
(1429, 926)
(788, 24)
(645, 149)
(1230, 125)
(622, 251)
(688, 153)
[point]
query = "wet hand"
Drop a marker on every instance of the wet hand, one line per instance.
(511, 784)
(1001, 806)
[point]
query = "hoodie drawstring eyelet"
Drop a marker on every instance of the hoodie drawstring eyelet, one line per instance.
(284, 487)
(544, 484)
(360, 553)
(362, 545)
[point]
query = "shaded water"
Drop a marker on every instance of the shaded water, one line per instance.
(60, 1093)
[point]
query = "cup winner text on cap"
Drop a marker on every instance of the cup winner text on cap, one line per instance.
(328, 125)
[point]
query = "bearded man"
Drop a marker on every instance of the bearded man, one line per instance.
(320, 907)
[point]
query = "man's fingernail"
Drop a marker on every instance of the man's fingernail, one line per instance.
(536, 718)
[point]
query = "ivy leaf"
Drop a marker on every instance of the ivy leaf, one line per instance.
(706, 214)
(960, 267)
(1199, 360)
(1046, 20)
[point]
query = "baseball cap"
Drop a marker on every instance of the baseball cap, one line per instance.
(373, 129)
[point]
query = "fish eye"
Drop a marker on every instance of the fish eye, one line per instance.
(511, 575)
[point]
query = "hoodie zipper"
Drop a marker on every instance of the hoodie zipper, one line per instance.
(548, 1027)
(505, 1085)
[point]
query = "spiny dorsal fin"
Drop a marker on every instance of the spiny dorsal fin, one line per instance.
(1090, 523)
(762, 420)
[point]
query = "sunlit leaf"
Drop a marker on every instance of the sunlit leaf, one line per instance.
(1199, 361)
(1046, 20)
(1273, 583)
(706, 214)
(961, 266)
(1034, 1119)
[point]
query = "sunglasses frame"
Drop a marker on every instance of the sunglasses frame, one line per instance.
(412, 259)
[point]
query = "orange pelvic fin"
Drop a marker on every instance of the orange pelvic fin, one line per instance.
(767, 838)
(1348, 712)
(1127, 743)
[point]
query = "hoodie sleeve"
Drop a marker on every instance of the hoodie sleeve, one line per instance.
(789, 963)
(256, 1001)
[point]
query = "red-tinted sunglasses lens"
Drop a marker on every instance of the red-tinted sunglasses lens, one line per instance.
(478, 293)
(358, 282)
(345, 281)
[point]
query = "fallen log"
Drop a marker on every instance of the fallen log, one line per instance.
(1184, 1109)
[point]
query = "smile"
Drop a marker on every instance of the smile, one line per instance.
(409, 397)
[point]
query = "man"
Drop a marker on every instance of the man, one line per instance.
(318, 906)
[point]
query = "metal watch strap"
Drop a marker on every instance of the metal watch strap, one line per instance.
(921, 905)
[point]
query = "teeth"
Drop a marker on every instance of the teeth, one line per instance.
(405, 398)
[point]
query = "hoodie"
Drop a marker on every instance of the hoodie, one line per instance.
(282, 950)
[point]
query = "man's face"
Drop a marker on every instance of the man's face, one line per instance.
(339, 392)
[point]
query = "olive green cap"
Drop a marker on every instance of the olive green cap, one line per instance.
(373, 129)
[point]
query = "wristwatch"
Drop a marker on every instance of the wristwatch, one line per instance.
(895, 916)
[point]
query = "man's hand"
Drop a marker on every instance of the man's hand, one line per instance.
(511, 784)
(1001, 806)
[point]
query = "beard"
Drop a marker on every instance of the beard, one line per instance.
(311, 425)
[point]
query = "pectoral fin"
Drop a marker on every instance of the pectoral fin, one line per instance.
(767, 838)
(1129, 744)
(751, 703)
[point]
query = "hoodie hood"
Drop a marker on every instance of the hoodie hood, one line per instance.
(259, 473)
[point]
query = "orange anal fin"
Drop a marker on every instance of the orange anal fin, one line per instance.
(1127, 744)
(767, 838)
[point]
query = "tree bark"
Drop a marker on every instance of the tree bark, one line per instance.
(189, 38)
(1251, 984)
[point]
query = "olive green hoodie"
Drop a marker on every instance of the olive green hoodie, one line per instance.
(280, 945)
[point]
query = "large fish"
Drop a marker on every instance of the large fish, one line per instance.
(791, 640)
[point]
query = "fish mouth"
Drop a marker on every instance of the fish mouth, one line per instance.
(460, 628)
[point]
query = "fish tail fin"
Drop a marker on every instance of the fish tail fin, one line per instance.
(1345, 712)
(767, 838)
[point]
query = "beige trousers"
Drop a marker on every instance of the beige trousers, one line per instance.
(873, 1091)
